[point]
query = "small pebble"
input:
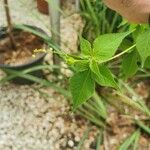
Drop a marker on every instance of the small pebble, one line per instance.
(70, 143)
(77, 139)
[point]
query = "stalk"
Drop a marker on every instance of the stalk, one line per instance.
(10, 28)
(54, 9)
(120, 54)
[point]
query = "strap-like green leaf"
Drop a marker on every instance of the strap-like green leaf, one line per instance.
(129, 141)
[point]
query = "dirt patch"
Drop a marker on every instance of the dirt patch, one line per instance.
(25, 44)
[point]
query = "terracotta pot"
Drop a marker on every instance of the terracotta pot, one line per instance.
(42, 6)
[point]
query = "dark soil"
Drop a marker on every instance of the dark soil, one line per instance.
(25, 44)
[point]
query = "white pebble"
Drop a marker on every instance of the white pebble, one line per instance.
(77, 139)
(70, 143)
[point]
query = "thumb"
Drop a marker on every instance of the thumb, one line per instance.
(136, 11)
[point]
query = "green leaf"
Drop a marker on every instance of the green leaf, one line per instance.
(95, 68)
(136, 141)
(99, 141)
(143, 126)
(102, 75)
(139, 29)
(147, 63)
(12, 74)
(35, 31)
(129, 141)
(82, 87)
(143, 45)
(85, 46)
(81, 65)
(126, 43)
(129, 64)
(105, 46)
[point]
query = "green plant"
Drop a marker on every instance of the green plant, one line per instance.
(90, 67)
(139, 58)
(98, 19)
(85, 135)
(131, 141)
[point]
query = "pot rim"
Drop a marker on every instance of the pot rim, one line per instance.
(40, 56)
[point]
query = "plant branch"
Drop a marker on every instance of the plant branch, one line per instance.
(10, 28)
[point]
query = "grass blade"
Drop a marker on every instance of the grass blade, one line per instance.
(42, 82)
(100, 105)
(129, 141)
(14, 73)
(135, 146)
(85, 135)
(32, 30)
(99, 141)
(143, 126)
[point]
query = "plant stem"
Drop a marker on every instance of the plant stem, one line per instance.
(54, 6)
(10, 28)
(120, 54)
(135, 104)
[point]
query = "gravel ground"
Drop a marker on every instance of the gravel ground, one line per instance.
(31, 122)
